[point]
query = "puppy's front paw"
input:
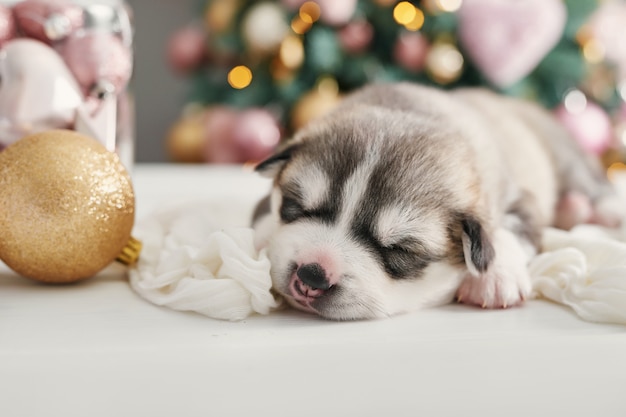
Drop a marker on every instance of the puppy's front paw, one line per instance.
(495, 289)
(506, 282)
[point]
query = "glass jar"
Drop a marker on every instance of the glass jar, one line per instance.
(66, 64)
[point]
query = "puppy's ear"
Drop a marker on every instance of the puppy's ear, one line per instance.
(477, 247)
(272, 165)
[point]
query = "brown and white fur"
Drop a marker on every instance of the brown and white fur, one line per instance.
(406, 197)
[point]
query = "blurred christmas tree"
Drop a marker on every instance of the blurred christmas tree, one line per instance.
(260, 69)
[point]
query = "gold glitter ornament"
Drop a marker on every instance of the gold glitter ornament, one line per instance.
(185, 140)
(67, 207)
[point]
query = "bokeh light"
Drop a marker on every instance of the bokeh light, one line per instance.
(444, 63)
(615, 171)
(417, 22)
(594, 51)
(240, 77)
(299, 26)
(291, 52)
(575, 101)
(310, 12)
(404, 12)
(449, 6)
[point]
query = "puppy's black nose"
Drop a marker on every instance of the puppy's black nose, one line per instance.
(314, 276)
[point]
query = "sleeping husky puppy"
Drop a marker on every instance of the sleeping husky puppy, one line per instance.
(406, 197)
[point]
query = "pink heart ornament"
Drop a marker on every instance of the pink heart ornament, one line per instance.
(506, 39)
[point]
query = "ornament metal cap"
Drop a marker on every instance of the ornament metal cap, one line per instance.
(130, 253)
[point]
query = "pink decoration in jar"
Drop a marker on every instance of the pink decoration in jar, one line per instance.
(7, 24)
(48, 20)
(38, 91)
(96, 58)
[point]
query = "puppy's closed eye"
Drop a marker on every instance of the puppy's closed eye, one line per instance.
(405, 261)
(294, 207)
(290, 210)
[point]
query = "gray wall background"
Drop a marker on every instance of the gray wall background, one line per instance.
(159, 94)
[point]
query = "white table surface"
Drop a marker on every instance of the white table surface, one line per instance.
(96, 349)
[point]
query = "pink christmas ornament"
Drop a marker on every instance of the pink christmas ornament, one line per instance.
(7, 24)
(98, 60)
(507, 39)
(219, 125)
(48, 20)
(255, 135)
(240, 137)
(38, 91)
(411, 50)
(186, 49)
(589, 125)
(356, 36)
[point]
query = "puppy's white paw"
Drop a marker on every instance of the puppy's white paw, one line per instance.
(506, 282)
(495, 288)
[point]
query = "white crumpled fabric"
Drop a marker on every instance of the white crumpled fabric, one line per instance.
(584, 269)
(188, 262)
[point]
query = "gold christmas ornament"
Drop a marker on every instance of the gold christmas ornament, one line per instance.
(185, 140)
(66, 207)
(315, 103)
